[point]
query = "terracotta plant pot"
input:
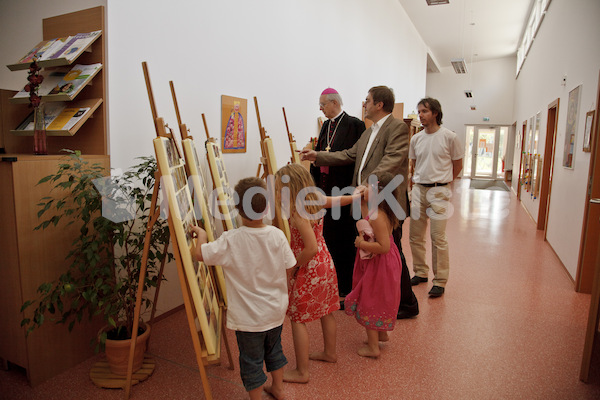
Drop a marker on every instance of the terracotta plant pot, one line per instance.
(117, 353)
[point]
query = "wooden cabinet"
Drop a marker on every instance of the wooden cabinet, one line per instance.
(30, 257)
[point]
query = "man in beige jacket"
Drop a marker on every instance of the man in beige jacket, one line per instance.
(382, 147)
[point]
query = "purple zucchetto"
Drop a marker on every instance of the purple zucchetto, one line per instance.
(329, 91)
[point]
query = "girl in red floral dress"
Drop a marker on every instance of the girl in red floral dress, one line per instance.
(313, 287)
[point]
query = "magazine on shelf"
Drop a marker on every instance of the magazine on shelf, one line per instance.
(76, 78)
(51, 79)
(75, 45)
(29, 56)
(51, 111)
(63, 81)
(68, 48)
(67, 118)
(51, 48)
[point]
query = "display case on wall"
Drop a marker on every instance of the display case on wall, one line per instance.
(31, 257)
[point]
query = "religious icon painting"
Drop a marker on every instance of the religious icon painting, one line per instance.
(234, 112)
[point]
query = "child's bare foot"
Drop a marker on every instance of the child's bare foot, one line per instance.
(322, 356)
(383, 336)
(276, 392)
(368, 351)
(295, 376)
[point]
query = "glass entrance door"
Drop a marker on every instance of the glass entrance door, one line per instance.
(486, 146)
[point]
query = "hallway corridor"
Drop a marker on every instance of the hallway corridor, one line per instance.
(510, 326)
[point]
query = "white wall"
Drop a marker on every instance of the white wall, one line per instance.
(284, 53)
(492, 84)
(566, 43)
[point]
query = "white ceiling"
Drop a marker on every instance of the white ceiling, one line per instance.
(448, 31)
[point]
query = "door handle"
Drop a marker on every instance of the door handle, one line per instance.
(595, 201)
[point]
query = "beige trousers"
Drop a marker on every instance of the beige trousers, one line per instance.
(430, 204)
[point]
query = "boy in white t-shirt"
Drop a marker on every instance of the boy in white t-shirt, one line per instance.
(254, 258)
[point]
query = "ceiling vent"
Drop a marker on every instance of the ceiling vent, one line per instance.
(459, 65)
(437, 2)
(468, 93)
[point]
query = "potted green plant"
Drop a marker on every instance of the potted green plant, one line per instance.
(105, 260)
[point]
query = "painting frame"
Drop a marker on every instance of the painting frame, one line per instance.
(181, 218)
(571, 128)
(234, 124)
(587, 132)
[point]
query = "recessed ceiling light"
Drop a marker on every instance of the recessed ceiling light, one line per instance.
(437, 2)
(459, 65)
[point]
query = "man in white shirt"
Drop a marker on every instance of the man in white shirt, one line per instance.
(436, 157)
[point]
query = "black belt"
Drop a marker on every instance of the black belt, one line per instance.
(432, 184)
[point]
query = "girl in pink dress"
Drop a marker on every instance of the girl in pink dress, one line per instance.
(375, 294)
(312, 286)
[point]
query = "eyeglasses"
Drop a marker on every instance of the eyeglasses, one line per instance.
(322, 105)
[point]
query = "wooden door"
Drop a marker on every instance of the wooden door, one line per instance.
(548, 165)
(522, 159)
(592, 326)
(590, 234)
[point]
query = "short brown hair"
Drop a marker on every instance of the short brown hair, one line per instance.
(258, 201)
(385, 95)
(434, 106)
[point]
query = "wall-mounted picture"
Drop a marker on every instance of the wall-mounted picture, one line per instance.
(234, 112)
(587, 133)
(571, 130)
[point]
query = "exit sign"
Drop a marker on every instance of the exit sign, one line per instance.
(486, 119)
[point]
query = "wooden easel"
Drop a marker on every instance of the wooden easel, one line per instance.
(216, 271)
(161, 131)
(295, 156)
(269, 165)
(214, 155)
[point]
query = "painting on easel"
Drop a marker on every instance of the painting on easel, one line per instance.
(200, 190)
(177, 194)
(234, 112)
(221, 184)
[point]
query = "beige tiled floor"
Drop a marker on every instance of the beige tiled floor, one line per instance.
(510, 326)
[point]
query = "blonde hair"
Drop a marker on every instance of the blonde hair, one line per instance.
(299, 179)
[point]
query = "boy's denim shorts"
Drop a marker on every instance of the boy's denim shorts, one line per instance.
(256, 347)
